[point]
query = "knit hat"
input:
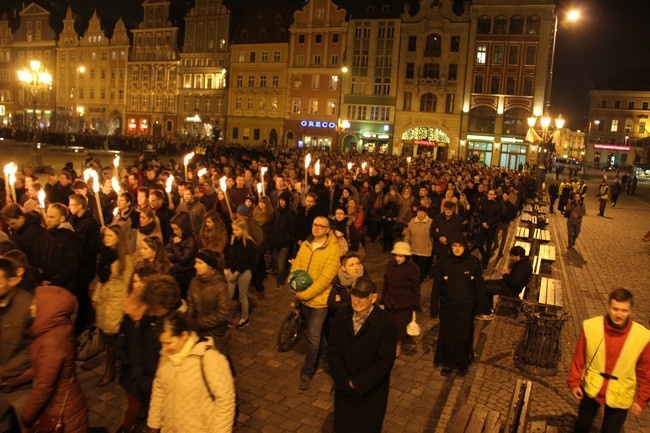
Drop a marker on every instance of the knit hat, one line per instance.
(402, 249)
(456, 238)
(243, 210)
(208, 257)
(286, 196)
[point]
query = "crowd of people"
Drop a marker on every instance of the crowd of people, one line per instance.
(157, 256)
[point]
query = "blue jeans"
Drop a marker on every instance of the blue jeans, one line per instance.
(280, 257)
(315, 318)
(242, 283)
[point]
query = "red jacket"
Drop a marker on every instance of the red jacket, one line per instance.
(53, 362)
(614, 339)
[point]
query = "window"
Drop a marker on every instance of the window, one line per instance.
(531, 55)
(431, 70)
(295, 105)
(628, 125)
(513, 55)
(412, 44)
(318, 38)
(317, 59)
(335, 38)
(481, 54)
(484, 26)
(239, 81)
(238, 103)
(251, 81)
(382, 86)
(528, 86)
(428, 103)
(449, 103)
(408, 99)
(478, 84)
(433, 44)
(276, 56)
(500, 25)
(614, 127)
(313, 106)
(235, 133)
(262, 80)
(241, 57)
(334, 60)
(517, 25)
(644, 105)
(482, 119)
(315, 81)
(453, 72)
(495, 84)
(532, 25)
(511, 85)
(275, 82)
(410, 71)
(249, 104)
(300, 60)
(331, 107)
(265, 56)
(251, 57)
(497, 55)
(630, 105)
(301, 39)
(603, 103)
(454, 46)
(617, 105)
(642, 127)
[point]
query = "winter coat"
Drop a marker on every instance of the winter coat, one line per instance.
(15, 320)
(366, 359)
(322, 265)
(59, 256)
(418, 235)
(240, 257)
(283, 228)
(29, 236)
(450, 228)
(519, 275)
(196, 211)
(575, 211)
(208, 304)
(109, 297)
(53, 362)
(401, 285)
(348, 230)
(181, 255)
(180, 399)
(88, 231)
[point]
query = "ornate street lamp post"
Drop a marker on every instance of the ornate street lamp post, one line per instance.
(35, 81)
(546, 128)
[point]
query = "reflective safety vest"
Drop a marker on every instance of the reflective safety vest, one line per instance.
(621, 387)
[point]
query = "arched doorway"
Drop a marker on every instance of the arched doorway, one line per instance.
(273, 137)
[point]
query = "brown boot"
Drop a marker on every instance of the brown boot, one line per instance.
(109, 368)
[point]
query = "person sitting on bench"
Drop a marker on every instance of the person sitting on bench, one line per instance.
(511, 284)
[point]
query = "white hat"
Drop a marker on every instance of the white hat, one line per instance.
(402, 249)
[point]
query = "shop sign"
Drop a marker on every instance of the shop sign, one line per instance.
(317, 124)
(612, 147)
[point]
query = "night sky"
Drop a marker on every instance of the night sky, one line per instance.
(610, 43)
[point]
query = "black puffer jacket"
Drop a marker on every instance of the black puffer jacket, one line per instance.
(29, 236)
(59, 256)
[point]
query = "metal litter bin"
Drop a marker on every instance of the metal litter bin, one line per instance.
(539, 349)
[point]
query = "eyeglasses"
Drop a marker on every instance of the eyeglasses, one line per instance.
(320, 226)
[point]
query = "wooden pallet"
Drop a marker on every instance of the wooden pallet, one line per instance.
(522, 233)
(542, 235)
(476, 419)
(550, 292)
(518, 412)
(547, 252)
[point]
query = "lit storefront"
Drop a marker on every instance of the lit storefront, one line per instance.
(321, 134)
(613, 154)
(514, 153)
(138, 126)
(425, 140)
(480, 148)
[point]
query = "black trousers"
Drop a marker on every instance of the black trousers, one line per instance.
(613, 419)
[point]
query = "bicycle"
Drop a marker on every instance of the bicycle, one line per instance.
(290, 327)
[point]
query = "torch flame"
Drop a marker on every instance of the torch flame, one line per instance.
(259, 188)
(408, 159)
(317, 168)
(264, 170)
(168, 184)
(202, 172)
(115, 211)
(350, 164)
(188, 157)
(222, 183)
(116, 161)
(116, 185)
(363, 165)
(41, 199)
(307, 160)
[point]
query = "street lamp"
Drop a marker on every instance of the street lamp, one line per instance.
(34, 80)
(77, 111)
(342, 124)
(584, 159)
(533, 136)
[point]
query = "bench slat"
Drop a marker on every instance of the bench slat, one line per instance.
(477, 420)
(462, 419)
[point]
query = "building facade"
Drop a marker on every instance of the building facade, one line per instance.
(7, 72)
(204, 58)
(257, 86)
(34, 39)
(314, 92)
(433, 49)
(508, 78)
(618, 128)
(91, 78)
(152, 74)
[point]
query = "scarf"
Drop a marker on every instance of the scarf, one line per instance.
(177, 358)
(106, 258)
(348, 280)
(148, 229)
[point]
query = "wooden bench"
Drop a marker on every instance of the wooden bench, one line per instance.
(528, 208)
(537, 264)
(476, 419)
(550, 292)
(518, 412)
(522, 233)
(525, 245)
(547, 252)
(526, 217)
(542, 235)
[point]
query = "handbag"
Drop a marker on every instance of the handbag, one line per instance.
(49, 424)
(90, 343)
(413, 329)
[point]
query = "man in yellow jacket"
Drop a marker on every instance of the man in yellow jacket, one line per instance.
(319, 256)
(611, 366)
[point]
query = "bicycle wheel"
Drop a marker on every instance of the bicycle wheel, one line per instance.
(288, 332)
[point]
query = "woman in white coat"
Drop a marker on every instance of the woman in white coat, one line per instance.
(114, 272)
(193, 390)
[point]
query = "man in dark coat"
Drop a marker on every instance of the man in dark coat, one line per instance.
(553, 194)
(59, 255)
(163, 212)
(26, 229)
(361, 354)
(305, 217)
(489, 216)
(513, 281)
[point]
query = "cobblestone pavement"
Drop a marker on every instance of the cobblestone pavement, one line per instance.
(609, 253)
